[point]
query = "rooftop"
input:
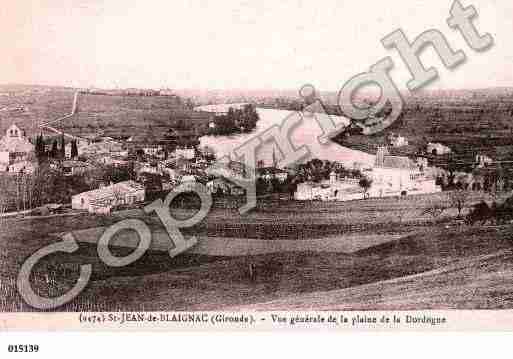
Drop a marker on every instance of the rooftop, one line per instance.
(109, 191)
(400, 162)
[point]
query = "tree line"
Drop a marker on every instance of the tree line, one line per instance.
(57, 148)
(235, 121)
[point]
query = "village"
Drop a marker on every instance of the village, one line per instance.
(100, 174)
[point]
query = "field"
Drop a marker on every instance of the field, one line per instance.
(415, 254)
(97, 114)
(396, 256)
(469, 122)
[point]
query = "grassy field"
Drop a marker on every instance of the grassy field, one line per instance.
(108, 115)
(199, 282)
(38, 108)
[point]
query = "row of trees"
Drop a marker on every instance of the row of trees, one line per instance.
(318, 170)
(25, 191)
(488, 180)
(236, 121)
(57, 150)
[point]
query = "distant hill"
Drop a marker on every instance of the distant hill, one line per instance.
(469, 122)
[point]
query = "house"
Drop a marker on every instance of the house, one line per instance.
(154, 150)
(144, 167)
(95, 149)
(270, 173)
(72, 168)
(187, 153)
(398, 175)
(398, 140)
(334, 189)
(228, 169)
(188, 179)
(390, 176)
(22, 167)
(224, 186)
(102, 200)
(482, 161)
(113, 160)
(15, 146)
(437, 149)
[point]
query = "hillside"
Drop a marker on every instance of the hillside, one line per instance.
(30, 106)
(470, 269)
(436, 264)
(466, 121)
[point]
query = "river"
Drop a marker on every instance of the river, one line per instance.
(305, 133)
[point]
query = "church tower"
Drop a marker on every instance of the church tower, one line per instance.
(380, 156)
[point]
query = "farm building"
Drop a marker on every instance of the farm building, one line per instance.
(102, 200)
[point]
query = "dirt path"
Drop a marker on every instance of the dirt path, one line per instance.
(231, 247)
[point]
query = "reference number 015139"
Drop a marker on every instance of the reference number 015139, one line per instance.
(23, 348)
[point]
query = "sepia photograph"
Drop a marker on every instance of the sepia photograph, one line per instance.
(256, 165)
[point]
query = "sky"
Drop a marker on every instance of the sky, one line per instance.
(229, 44)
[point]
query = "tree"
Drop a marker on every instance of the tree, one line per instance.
(236, 120)
(4, 201)
(74, 149)
(365, 183)
(54, 151)
(118, 195)
(62, 153)
(225, 125)
(458, 199)
(40, 148)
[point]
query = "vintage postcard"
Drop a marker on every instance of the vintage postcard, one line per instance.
(256, 165)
